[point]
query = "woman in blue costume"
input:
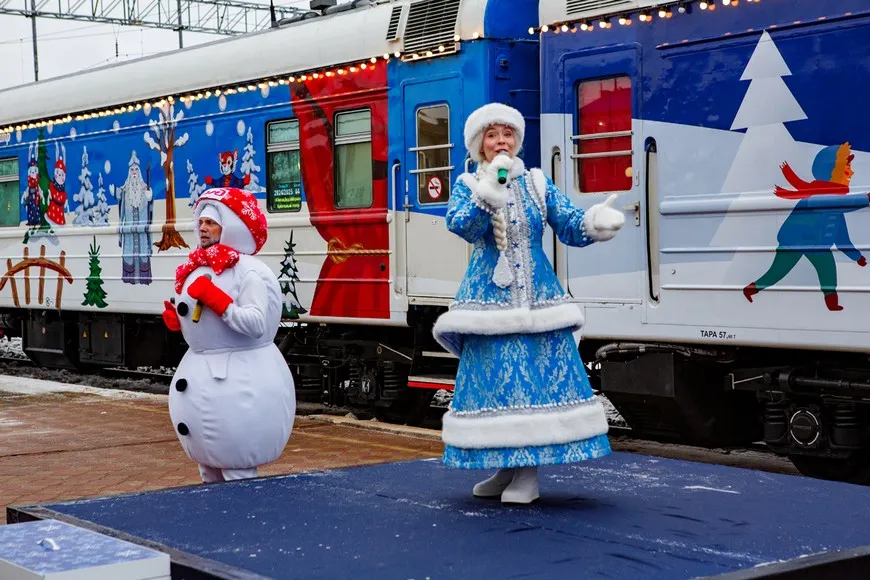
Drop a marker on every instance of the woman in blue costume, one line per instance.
(522, 397)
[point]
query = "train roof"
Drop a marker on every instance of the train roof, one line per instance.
(352, 32)
(556, 12)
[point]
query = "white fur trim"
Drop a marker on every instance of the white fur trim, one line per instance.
(493, 194)
(539, 190)
(525, 429)
(508, 321)
(492, 114)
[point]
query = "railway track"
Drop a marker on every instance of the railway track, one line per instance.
(154, 382)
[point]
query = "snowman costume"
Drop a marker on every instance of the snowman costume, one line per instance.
(232, 399)
(522, 397)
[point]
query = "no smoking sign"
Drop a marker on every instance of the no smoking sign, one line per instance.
(434, 187)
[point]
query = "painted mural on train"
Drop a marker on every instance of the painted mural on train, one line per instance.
(132, 169)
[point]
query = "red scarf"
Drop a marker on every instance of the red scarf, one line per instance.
(219, 257)
(805, 189)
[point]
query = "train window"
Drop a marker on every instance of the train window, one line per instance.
(353, 159)
(433, 154)
(10, 196)
(603, 143)
(284, 183)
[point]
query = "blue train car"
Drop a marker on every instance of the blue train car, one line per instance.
(730, 308)
(347, 125)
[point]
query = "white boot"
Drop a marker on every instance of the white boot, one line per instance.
(493, 486)
(523, 488)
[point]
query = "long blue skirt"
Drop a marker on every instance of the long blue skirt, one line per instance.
(519, 370)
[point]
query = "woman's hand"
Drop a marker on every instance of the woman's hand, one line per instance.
(602, 220)
(489, 189)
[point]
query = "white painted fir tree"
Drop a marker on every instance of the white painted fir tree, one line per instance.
(101, 208)
(766, 107)
(84, 212)
(249, 167)
(194, 187)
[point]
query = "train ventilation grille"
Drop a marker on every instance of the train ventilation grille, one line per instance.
(575, 8)
(393, 28)
(431, 25)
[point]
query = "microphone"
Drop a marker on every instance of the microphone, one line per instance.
(197, 310)
(502, 173)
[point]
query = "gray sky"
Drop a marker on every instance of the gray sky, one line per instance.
(67, 46)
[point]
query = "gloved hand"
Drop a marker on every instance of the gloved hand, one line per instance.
(602, 221)
(490, 190)
(206, 292)
(170, 317)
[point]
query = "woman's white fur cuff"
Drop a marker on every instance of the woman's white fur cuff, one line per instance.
(525, 429)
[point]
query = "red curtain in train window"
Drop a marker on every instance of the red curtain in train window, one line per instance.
(354, 279)
(604, 106)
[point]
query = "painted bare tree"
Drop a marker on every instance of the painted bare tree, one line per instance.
(165, 141)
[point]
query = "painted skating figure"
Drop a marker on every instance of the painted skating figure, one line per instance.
(232, 400)
(522, 397)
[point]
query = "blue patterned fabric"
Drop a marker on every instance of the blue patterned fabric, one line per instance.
(537, 283)
(525, 360)
(521, 371)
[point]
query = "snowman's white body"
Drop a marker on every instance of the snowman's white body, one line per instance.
(238, 400)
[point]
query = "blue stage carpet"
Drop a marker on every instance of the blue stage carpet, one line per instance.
(625, 516)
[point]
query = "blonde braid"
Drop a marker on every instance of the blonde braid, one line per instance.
(499, 230)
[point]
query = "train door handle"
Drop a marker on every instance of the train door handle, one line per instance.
(407, 207)
(635, 207)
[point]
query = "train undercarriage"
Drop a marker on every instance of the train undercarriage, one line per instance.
(811, 406)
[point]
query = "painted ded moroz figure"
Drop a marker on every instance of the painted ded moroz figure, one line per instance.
(232, 400)
(522, 397)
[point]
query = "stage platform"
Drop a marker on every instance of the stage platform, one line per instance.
(622, 517)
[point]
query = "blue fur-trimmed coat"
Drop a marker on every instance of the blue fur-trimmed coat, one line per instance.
(535, 300)
(524, 410)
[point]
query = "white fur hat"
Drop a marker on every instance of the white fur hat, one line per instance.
(492, 114)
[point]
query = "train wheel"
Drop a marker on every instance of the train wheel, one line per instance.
(853, 469)
(410, 409)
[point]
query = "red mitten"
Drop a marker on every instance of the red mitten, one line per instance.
(862, 261)
(206, 292)
(170, 317)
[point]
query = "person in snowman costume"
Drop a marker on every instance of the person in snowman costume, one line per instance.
(522, 398)
(232, 400)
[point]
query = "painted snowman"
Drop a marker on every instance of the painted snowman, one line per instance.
(232, 400)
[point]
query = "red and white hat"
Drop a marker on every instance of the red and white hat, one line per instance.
(243, 223)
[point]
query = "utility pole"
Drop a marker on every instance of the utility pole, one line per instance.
(180, 39)
(33, 28)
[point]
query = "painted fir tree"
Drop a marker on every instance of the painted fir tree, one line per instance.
(94, 293)
(288, 277)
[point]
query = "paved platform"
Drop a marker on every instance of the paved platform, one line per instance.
(64, 444)
(622, 517)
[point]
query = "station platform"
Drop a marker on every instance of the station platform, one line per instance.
(622, 517)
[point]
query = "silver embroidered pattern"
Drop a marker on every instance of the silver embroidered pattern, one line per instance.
(525, 409)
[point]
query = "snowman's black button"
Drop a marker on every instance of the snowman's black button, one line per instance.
(182, 309)
(180, 385)
(182, 428)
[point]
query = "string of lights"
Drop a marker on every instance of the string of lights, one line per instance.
(357, 67)
(646, 15)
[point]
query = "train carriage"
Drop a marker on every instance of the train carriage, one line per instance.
(347, 125)
(730, 307)
(726, 311)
